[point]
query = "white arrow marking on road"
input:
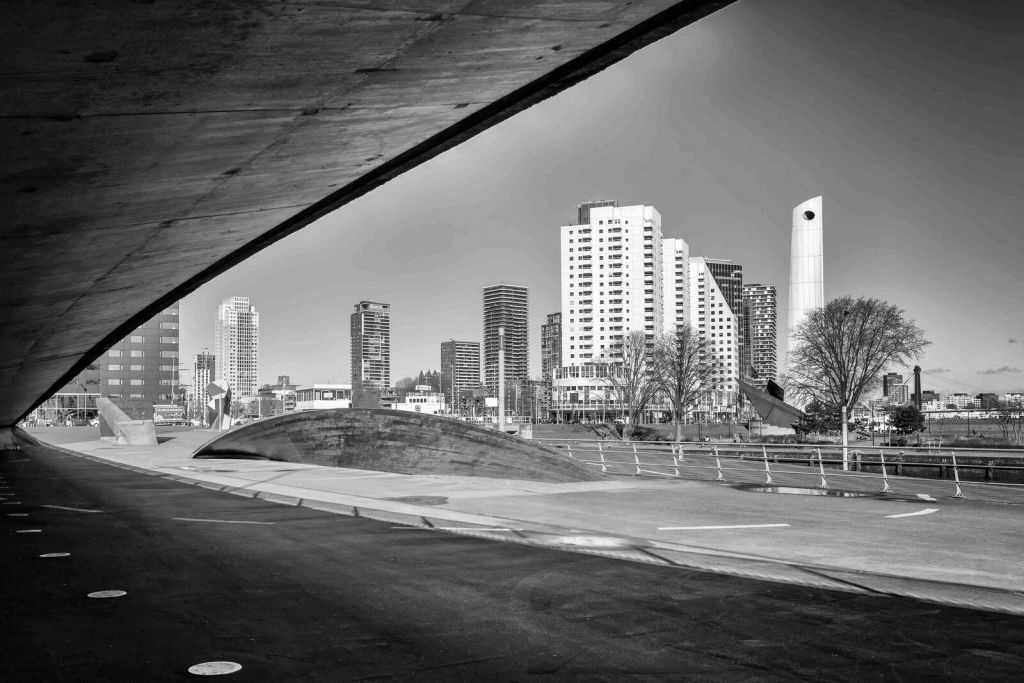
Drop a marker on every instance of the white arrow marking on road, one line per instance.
(926, 511)
(731, 526)
(61, 507)
(219, 521)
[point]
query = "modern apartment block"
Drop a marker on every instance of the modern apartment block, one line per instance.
(141, 369)
(550, 346)
(611, 279)
(889, 380)
(506, 306)
(204, 372)
(719, 328)
(371, 346)
(760, 304)
(675, 270)
(729, 278)
(236, 346)
(460, 369)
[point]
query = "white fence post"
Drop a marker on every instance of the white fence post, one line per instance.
(675, 464)
(885, 473)
(956, 477)
(767, 470)
(636, 460)
(821, 470)
(604, 467)
(718, 464)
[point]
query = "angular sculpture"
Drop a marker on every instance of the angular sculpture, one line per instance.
(117, 427)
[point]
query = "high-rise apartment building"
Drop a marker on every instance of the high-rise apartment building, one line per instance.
(550, 346)
(236, 346)
(890, 380)
(759, 302)
(460, 369)
(611, 279)
(729, 278)
(719, 328)
(506, 306)
(675, 271)
(204, 372)
(371, 346)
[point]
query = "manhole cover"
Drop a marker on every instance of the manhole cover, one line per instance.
(805, 491)
(214, 668)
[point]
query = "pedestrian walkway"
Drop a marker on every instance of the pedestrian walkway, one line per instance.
(932, 547)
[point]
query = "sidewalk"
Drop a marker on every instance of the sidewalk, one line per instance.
(946, 551)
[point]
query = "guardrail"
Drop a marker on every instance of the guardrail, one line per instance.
(978, 475)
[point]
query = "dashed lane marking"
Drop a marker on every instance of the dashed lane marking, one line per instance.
(61, 507)
(722, 526)
(926, 511)
(219, 521)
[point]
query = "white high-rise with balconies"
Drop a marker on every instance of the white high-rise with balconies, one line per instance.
(236, 345)
(611, 279)
(675, 270)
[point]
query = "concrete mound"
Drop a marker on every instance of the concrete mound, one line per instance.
(390, 441)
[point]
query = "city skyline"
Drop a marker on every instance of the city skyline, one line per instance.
(919, 180)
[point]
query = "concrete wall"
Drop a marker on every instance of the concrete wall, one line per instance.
(392, 441)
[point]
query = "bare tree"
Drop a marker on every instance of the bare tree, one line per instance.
(1009, 416)
(841, 349)
(630, 377)
(682, 372)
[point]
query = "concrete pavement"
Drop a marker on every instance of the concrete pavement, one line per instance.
(948, 551)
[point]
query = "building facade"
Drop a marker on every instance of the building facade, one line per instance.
(713, 319)
(204, 372)
(323, 396)
(506, 306)
(371, 346)
(889, 380)
(611, 279)
(760, 304)
(236, 346)
(460, 370)
(675, 271)
(550, 346)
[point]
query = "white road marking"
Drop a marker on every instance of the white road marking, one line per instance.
(729, 526)
(219, 521)
(456, 528)
(926, 511)
(61, 507)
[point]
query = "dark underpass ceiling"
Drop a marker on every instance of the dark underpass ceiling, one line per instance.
(150, 146)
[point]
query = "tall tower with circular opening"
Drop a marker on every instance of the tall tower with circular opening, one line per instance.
(806, 273)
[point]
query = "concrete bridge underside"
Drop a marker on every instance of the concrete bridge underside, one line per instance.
(150, 146)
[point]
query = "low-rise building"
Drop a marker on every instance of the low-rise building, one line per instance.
(323, 396)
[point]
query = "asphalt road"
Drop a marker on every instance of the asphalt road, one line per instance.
(292, 594)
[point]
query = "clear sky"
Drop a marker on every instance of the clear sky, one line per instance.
(906, 115)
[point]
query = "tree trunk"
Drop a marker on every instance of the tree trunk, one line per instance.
(679, 429)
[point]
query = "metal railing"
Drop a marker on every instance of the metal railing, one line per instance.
(968, 473)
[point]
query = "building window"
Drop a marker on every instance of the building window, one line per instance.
(136, 339)
(115, 353)
(114, 382)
